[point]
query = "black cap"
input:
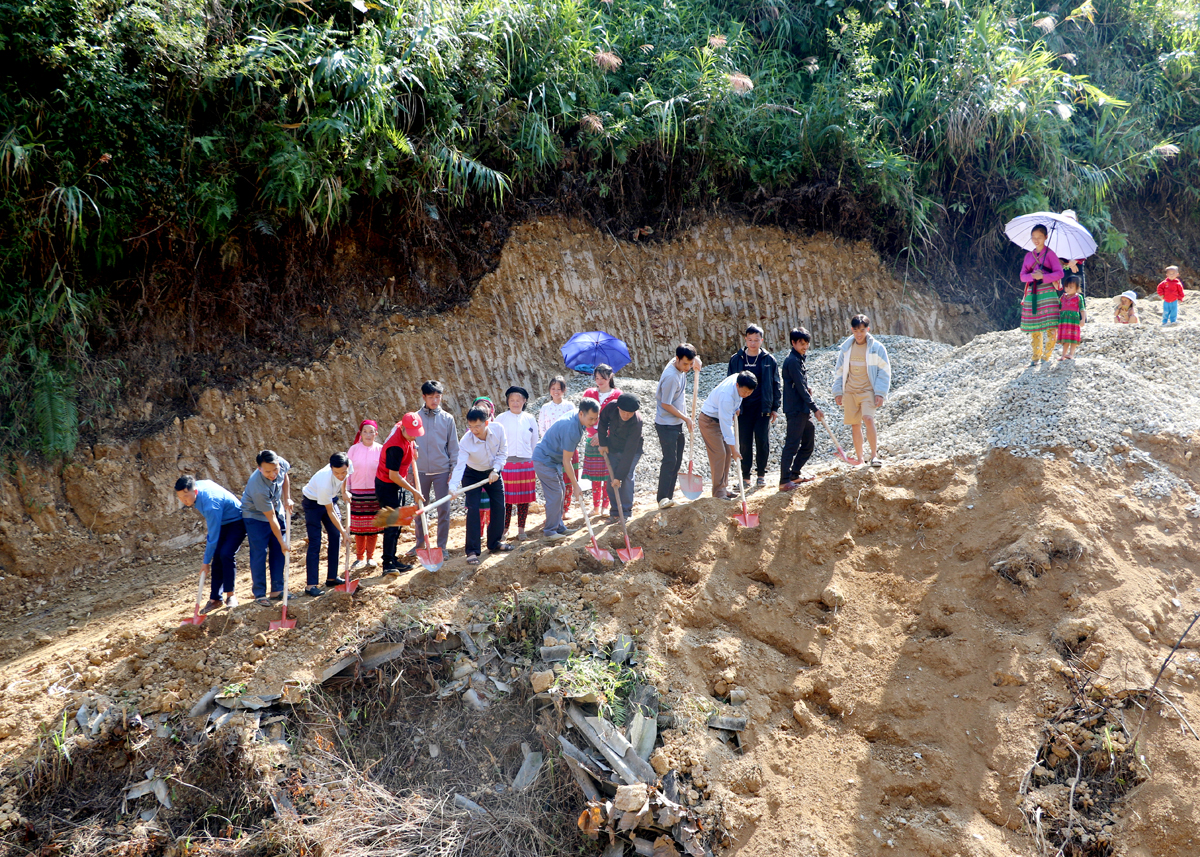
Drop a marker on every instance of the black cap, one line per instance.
(515, 389)
(628, 402)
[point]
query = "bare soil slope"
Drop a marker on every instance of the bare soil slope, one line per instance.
(901, 636)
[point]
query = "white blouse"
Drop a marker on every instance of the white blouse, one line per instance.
(522, 432)
(552, 413)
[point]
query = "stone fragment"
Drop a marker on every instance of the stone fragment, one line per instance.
(542, 681)
(833, 597)
(559, 560)
(631, 798)
(802, 715)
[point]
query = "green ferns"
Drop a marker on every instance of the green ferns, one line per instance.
(132, 128)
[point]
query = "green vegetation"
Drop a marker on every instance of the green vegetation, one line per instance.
(137, 130)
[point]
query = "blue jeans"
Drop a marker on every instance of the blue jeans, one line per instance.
(223, 573)
(1170, 312)
(264, 550)
(619, 461)
(315, 517)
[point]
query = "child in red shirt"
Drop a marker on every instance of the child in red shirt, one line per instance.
(1171, 291)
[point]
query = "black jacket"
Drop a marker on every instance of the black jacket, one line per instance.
(622, 437)
(797, 401)
(767, 372)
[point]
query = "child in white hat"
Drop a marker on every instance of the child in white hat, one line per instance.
(1126, 309)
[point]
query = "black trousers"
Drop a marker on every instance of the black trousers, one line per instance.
(672, 440)
(797, 447)
(392, 496)
(754, 431)
(316, 516)
(495, 493)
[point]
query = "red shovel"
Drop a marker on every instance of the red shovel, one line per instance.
(594, 549)
(747, 518)
(846, 458)
(628, 553)
(283, 621)
(691, 483)
(197, 617)
(431, 558)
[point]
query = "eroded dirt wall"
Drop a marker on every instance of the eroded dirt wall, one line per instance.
(556, 277)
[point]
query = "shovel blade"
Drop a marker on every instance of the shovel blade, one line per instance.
(849, 459)
(600, 553)
(197, 618)
(747, 519)
(431, 558)
(282, 622)
(691, 484)
(629, 554)
(348, 587)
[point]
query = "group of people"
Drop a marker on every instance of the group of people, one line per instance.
(501, 459)
(1053, 307)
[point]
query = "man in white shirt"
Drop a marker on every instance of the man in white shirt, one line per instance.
(320, 510)
(482, 452)
(716, 427)
(670, 399)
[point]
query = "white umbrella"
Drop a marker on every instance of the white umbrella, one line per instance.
(1066, 238)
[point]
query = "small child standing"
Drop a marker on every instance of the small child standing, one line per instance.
(1070, 317)
(1171, 291)
(520, 482)
(1126, 310)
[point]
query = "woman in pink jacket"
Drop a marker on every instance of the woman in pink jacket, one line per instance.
(364, 461)
(1041, 273)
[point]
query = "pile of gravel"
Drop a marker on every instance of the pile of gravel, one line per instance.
(948, 402)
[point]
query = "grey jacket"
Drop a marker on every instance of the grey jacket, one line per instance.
(437, 449)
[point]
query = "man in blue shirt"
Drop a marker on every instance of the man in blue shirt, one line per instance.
(552, 460)
(267, 498)
(223, 516)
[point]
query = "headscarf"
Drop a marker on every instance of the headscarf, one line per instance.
(482, 401)
(363, 424)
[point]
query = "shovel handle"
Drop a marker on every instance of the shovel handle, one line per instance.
(692, 433)
(200, 588)
(452, 495)
(421, 497)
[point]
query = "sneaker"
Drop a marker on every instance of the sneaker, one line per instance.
(359, 565)
(761, 483)
(372, 564)
(230, 600)
(554, 537)
(211, 606)
(391, 571)
(334, 581)
(314, 592)
(666, 503)
(521, 537)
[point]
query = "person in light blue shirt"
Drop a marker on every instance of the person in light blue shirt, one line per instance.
(552, 460)
(226, 531)
(265, 502)
(716, 427)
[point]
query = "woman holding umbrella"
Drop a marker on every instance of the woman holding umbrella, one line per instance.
(1041, 273)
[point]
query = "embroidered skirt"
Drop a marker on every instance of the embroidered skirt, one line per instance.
(520, 482)
(363, 507)
(593, 461)
(1040, 307)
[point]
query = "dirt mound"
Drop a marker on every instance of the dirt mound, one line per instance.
(905, 645)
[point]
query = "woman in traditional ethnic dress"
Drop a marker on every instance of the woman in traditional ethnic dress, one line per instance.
(1041, 273)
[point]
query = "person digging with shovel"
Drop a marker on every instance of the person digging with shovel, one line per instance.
(552, 462)
(670, 402)
(223, 516)
(716, 427)
(799, 409)
(319, 504)
(482, 453)
(265, 501)
(620, 434)
(391, 479)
